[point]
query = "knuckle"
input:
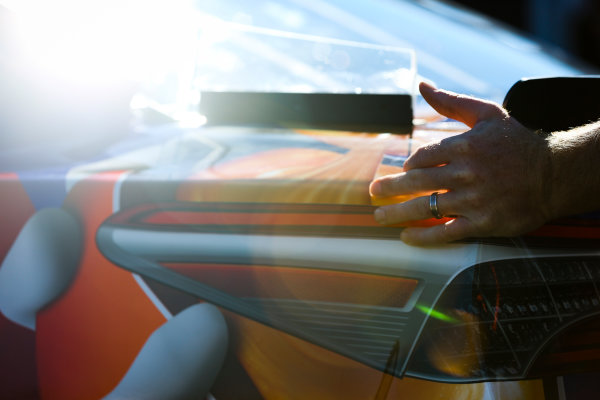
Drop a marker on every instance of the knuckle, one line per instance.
(395, 213)
(415, 179)
(397, 184)
(462, 145)
(473, 200)
(485, 222)
(389, 185)
(465, 176)
(407, 182)
(415, 157)
(420, 155)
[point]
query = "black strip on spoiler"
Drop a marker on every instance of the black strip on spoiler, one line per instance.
(390, 113)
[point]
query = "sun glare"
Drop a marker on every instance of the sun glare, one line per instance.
(95, 42)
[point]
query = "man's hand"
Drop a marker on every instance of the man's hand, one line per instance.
(493, 179)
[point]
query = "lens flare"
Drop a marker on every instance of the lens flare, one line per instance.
(435, 314)
(94, 42)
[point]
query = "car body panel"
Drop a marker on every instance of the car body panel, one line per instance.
(274, 226)
(303, 183)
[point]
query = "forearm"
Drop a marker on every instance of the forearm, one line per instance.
(575, 171)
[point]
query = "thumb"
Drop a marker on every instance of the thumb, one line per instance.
(466, 109)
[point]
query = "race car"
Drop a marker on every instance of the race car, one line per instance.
(238, 257)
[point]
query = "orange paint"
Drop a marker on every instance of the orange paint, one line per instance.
(307, 284)
(87, 340)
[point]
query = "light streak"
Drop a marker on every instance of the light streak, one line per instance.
(435, 314)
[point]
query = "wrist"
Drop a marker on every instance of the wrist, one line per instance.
(573, 179)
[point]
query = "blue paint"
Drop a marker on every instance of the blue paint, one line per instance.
(45, 189)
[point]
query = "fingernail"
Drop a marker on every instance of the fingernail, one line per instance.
(380, 215)
(375, 188)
